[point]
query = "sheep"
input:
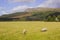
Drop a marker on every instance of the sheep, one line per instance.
(43, 29)
(56, 19)
(24, 31)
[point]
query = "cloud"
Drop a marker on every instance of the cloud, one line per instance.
(4, 12)
(1, 8)
(14, 9)
(20, 8)
(50, 3)
(21, 0)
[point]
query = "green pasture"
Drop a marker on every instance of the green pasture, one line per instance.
(13, 30)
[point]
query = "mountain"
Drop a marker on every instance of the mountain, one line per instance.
(34, 13)
(40, 9)
(29, 11)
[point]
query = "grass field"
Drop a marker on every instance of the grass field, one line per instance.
(13, 30)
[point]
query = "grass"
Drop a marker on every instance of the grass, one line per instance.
(13, 30)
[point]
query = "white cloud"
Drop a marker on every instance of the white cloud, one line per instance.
(1, 8)
(21, 0)
(4, 12)
(50, 3)
(15, 9)
(20, 8)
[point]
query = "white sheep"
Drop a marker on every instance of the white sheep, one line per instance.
(24, 31)
(44, 29)
(56, 19)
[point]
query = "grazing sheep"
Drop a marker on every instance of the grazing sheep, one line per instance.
(24, 31)
(56, 19)
(44, 29)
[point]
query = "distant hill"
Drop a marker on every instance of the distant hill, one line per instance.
(34, 13)
(29, 12)
(39, 9)
(15, 15)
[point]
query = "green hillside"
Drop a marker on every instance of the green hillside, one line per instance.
(36, 14)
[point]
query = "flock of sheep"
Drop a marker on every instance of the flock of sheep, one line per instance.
(42, 30)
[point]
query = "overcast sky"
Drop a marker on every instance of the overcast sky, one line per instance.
(9, 6)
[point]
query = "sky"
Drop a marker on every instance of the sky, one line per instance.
(11, 6)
